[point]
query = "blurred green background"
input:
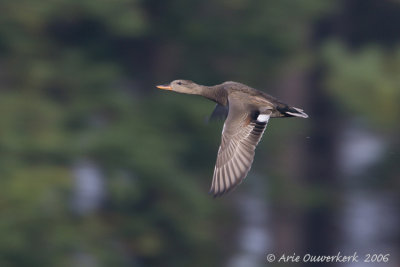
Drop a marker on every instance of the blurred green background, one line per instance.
(99, 168)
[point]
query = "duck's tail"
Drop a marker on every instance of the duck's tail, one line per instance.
(292, 112)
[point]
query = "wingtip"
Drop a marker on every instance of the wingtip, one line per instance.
(213, 193)
(216, 194)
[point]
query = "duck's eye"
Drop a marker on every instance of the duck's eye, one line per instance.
(179, 83)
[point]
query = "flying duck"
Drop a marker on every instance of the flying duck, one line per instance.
(247, 112)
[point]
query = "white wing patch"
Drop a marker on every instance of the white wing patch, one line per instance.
(263, 117)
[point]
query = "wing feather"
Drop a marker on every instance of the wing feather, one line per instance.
(240, 136)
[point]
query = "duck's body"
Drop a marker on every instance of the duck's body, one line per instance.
(247, 112)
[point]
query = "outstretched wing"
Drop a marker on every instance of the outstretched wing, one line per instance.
(220, 113)
(241, 133)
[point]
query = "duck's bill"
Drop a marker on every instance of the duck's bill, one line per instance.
(164, 87)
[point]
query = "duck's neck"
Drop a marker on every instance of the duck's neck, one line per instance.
(214, 93)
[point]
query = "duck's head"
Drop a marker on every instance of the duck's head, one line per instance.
(181, 86)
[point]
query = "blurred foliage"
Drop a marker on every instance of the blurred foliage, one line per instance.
(77, 81)
(366, 81)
